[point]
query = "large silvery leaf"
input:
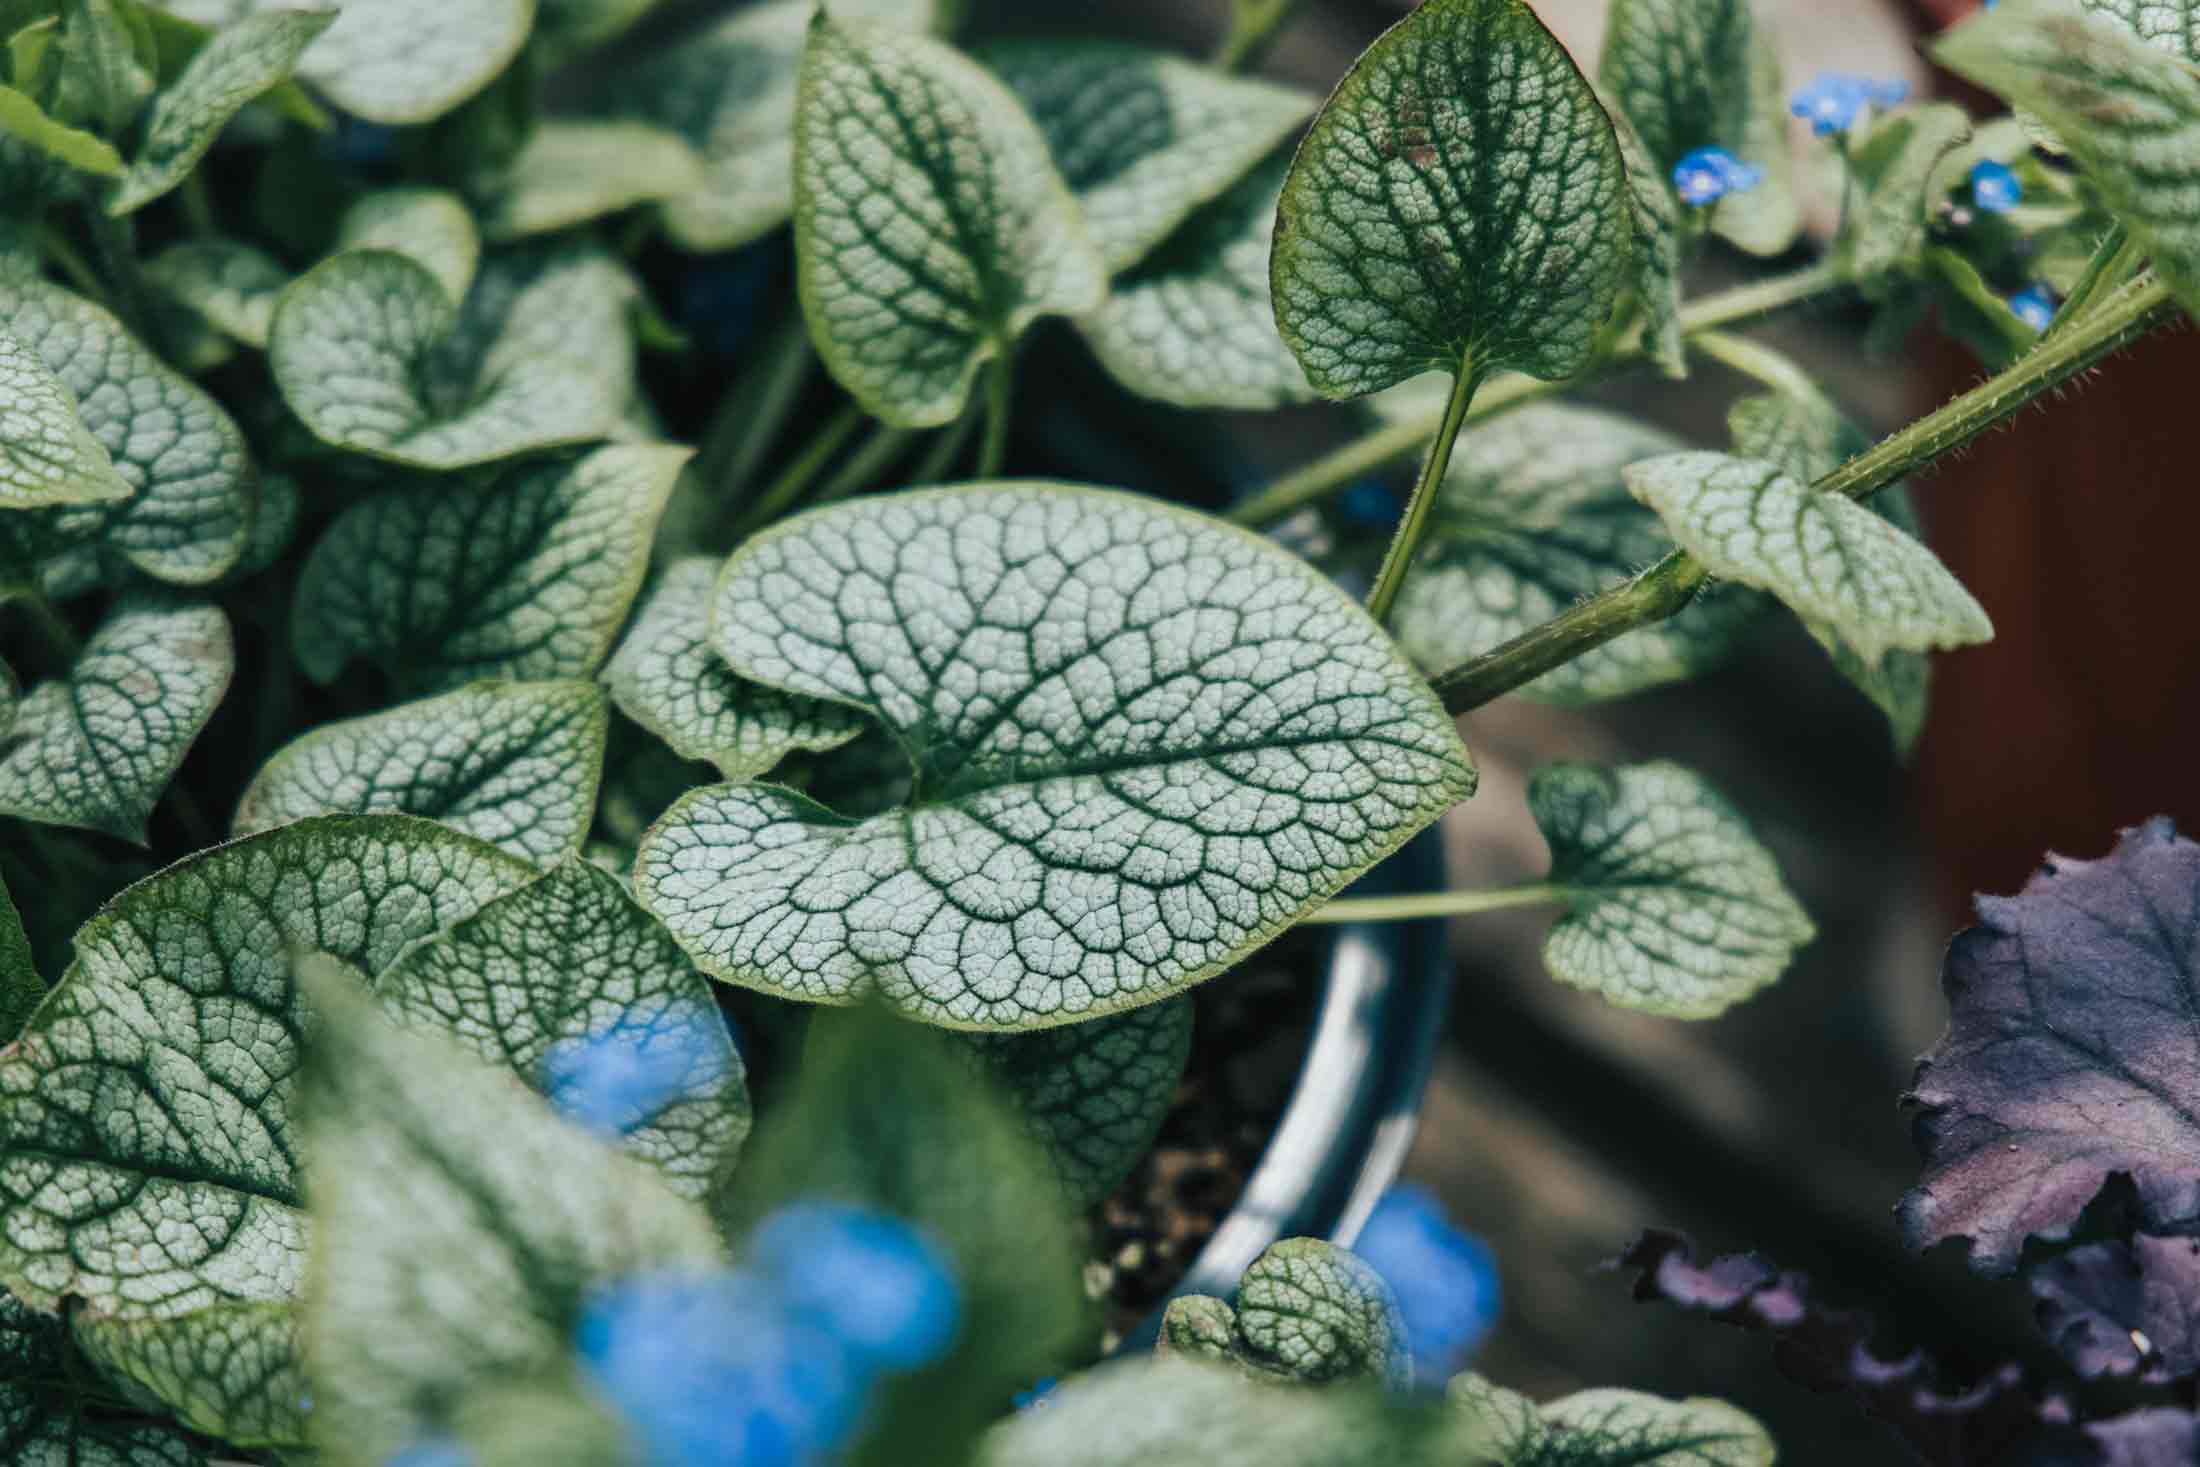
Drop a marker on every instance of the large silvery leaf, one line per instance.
(983, 239)
(1093, 1095)
(1192, 324)
(432, 226)
(460, 1227)
(514, 764)
(666, 677)
(1534, 515)
(96, 747)
(1142, 137)
(1680, 70)
(231, 284)
(185, 461)
(371, 354)
(1144, 743)
(568, 959)
(1829, 558)
(1603, 1428)
(231, 1371)
(47, 455)
(148, 1161)
(242, 62)
(1673, 906)
(571, 172)
(2127, 111)
(48, 1417)
(528, 577)
(2171, 25)
(397, 61)
(20, 986)
(1306, 1311)
(2058, 1069)
(1460, 205)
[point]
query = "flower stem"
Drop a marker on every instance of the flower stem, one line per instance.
(1399, 557)
(749, 419)
(1000, 403)
(1759, 363)
(783, 492)
(938, 463)
(1437, 904)
(880, 452)
(1668, 586)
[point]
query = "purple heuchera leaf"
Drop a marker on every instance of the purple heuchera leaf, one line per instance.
(2115, 1308)
(2071, 1055)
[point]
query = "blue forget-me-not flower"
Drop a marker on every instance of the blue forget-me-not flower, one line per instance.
(1709, 174)
(1446, 1280)
(1831, 102)
(1995, 187)
(2035, 306)
(612, 1081)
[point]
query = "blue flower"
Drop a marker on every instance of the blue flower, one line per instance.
(1831, 102)
(719, 1370)
(1445, 1280)
(2035, 306)
(438, 1451)
(1995, 187)
(1036, 1397)
(1710, 174)
(614, 1080)
(1370, 503)
(881, 1287)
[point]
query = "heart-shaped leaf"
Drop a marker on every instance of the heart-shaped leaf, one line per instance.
(47, 455)
(397, 61)
(1306, 1311)
(1093, 1095)
(1459, 205)
(2058, 1070)
(1144, 743)
(1605, 1428)
(530, 576)
(514, 764)
(148, 1163)
(667, 678)
(231, 1371)
(1192, 324)
(1533, 516)
(2127, 111)
(96, 747)
(1143, 138)
(460, 1228)
(371, 354)
(1829, 558)
(242, 62)
(566, 961)
(984, 239)
(184, 460)
(569, 173)
(231, 284)
(1680, 70)
(1673, 906)
(431, 226)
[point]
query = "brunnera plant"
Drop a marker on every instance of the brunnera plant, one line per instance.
(392, 477)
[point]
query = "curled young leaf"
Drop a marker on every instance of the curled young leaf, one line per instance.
(1144, 743)
(47, 455)
(1460, 204)
(1307, 1311)
(984, 239)
(514, 764)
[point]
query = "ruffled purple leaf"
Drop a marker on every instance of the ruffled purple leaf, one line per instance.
(2120, 1308)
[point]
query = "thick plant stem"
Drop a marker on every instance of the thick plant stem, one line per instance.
(1437, 904)
(1395, 440)
(1254, 26)
(1669, 585)
(2113, 258)
(1000, 405)
(783, 492)
(1403, 545)
(1759, 363)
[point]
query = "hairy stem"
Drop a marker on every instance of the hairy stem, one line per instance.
(2113, 258)
(1407, 540)
(1666, 587)
(1437, 904)
(1000, 405)
(1759, 363)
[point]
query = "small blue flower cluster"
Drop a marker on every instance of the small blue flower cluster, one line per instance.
(1710, 174)
(1995, 187)
(1831, 103)
(1446, 1280)
(612, 1081)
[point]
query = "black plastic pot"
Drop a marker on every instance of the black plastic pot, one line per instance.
(1351, 1117)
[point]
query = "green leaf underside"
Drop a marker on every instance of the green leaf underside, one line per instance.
(370, 353)
(2127, 111)
(397, 61)
(230, 1370)
(1533, 516)
(47, 455)
(231, 284)
(1306, 1311)
(20, 986)
(1604, 1428)
(22, 117)
(1093, 1095)
(931, 227)
(1460, 199)
(1674, 908)
(1680, 70)
(431, 226)
(529, 577)
(96, 748)
(1144, 743)
(1141, 137)
(1895, 166)
(240, 63)
(569, 957)
(514, 764)
(1829, 558)
(148, 1163)
(460, 1227)
(184, 460)
(1192, 324)
(667, 679)
(572, 172)
(1657, 280)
